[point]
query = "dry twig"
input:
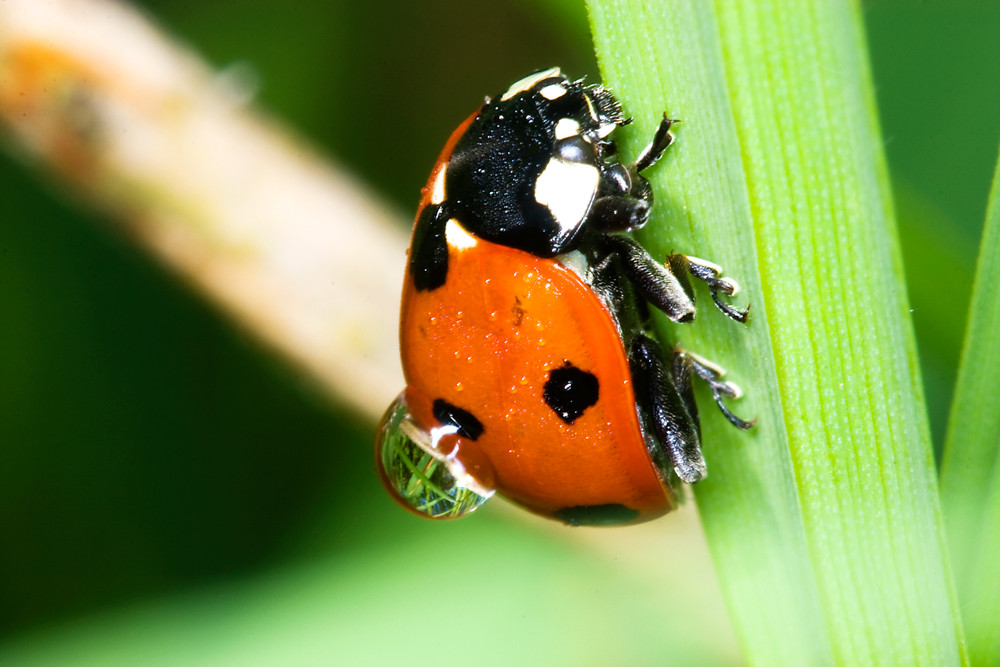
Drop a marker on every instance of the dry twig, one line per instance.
(304, 256)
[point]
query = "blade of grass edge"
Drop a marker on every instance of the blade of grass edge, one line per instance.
(671, 55)
(970, 473)
(834, 294)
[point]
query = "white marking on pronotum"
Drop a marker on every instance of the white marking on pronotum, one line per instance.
(567, 127)
(553, 91)
(528, 82)
(457, 237)
(437, 188)
(567, 189)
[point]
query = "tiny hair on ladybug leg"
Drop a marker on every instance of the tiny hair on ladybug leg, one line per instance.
(711, 274)
(673, 411)
(654, 151)
(712, 375)
(661, 285)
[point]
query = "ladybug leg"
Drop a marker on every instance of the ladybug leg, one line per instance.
(670, 398)
(712, 375)
(623, 201)
(665, 286)
(711, 274)
(654, 151)
(624, 198)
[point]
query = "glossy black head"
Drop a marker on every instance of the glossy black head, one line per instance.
(527, 170)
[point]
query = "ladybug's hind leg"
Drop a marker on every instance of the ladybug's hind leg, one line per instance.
(667, 392)
(712, 375)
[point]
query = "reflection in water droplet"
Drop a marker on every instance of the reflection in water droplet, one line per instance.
(420, 478)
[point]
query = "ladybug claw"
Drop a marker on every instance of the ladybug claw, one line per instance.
(711, 275)
(712, 375)
(740, 315)
(741, 424)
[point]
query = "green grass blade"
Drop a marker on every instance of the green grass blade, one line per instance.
(748, 503)
(778, 169)
(970, 475)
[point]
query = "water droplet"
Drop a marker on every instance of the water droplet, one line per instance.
(419, 478)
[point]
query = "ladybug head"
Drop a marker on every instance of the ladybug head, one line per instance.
(569, 108)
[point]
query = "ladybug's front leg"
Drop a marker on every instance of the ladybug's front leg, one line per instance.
(624, 198)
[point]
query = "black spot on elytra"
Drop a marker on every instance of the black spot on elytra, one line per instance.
(569, 391)
(429, 250)
(611, 514)
(466, 423)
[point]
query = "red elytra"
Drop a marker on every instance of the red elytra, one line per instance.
(485, 342)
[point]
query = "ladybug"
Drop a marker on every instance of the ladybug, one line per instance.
(524, 331)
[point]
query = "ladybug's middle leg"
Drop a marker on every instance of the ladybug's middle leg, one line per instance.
(667, 287)
(711, 275)
(660, 284)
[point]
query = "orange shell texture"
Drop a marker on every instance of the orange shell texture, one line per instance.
(485, 342)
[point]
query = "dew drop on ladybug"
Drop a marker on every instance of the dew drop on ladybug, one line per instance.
(524, 331)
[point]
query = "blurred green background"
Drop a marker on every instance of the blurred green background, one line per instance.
(154, 460)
